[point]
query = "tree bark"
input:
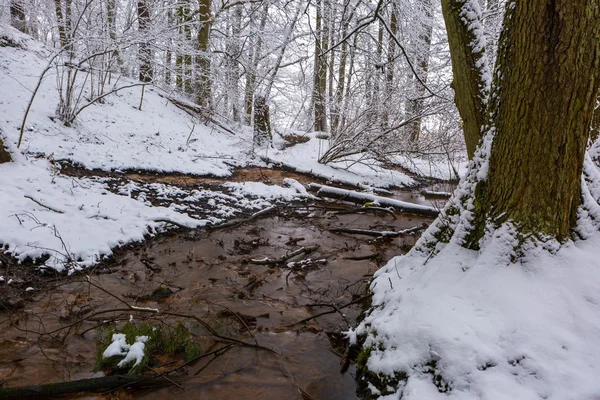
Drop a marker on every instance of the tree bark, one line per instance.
(203, 84)
(390, 66)
(17, 16)
(65, 23)
(320, 73)
(4, 154)
(254, 56)
(595, 127)
(262, 122)
(145, 51)
(541, 110)
(469, 67)
(416, 105)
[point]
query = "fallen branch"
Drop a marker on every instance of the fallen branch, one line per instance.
(43, 205)
(198, 111)
(236, 222)
(281, 260)
(436, 195)
(369, 209)
(361, 198)
(367, 232)
(169, 221)
(362, 258)
(335, 309)
(103, 384)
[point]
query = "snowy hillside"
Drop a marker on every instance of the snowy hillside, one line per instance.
(45, 213)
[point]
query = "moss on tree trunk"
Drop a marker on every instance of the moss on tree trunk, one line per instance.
(541, 111)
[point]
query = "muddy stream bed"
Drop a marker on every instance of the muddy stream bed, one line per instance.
(228, 279)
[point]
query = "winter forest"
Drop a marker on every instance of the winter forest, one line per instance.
(321, 199)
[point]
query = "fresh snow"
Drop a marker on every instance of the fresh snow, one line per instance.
(495, 329)
(77, 221)
(119, 347)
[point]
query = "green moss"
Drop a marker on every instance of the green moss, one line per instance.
(162, 340)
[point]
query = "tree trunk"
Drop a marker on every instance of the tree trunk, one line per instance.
(262, 122)
(416, 105)
(203, 84)
(339, 91)
(254, 56)
(595, 127)
(145, 51)
(111, 17)
(541, 112)
(17, 16)
(469, 66)
(320, 73)
(4, 154)
(64, 23)
(390, 67)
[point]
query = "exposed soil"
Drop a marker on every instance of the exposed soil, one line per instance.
(229, 279)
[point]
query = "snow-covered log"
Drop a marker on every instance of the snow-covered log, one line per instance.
(361, 198)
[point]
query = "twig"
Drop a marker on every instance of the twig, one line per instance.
(369, 209)
(267, 261)
(43, 205)
(380, 233)
(330, 312)
(169, 221)
(236, 222)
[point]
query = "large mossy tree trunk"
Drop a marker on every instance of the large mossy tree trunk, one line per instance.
(471, 78)
(540, 115)
(595, 128)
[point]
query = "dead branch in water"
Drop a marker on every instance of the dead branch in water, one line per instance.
(237, 222)
(367, 232)
(281, 260)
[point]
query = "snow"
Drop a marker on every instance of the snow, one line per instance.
(496, 329)
(304, 158)
(78, 221)
(119, 347)
(136, 352)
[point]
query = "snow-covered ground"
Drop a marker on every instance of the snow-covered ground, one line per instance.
(481, 327)
(45, 213)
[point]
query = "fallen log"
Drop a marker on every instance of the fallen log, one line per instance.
(367, 232)
(95, 385)
(361, 198)
(435, 195)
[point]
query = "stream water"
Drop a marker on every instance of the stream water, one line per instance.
(211, 275)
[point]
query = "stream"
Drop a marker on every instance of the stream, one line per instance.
(223, 277)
